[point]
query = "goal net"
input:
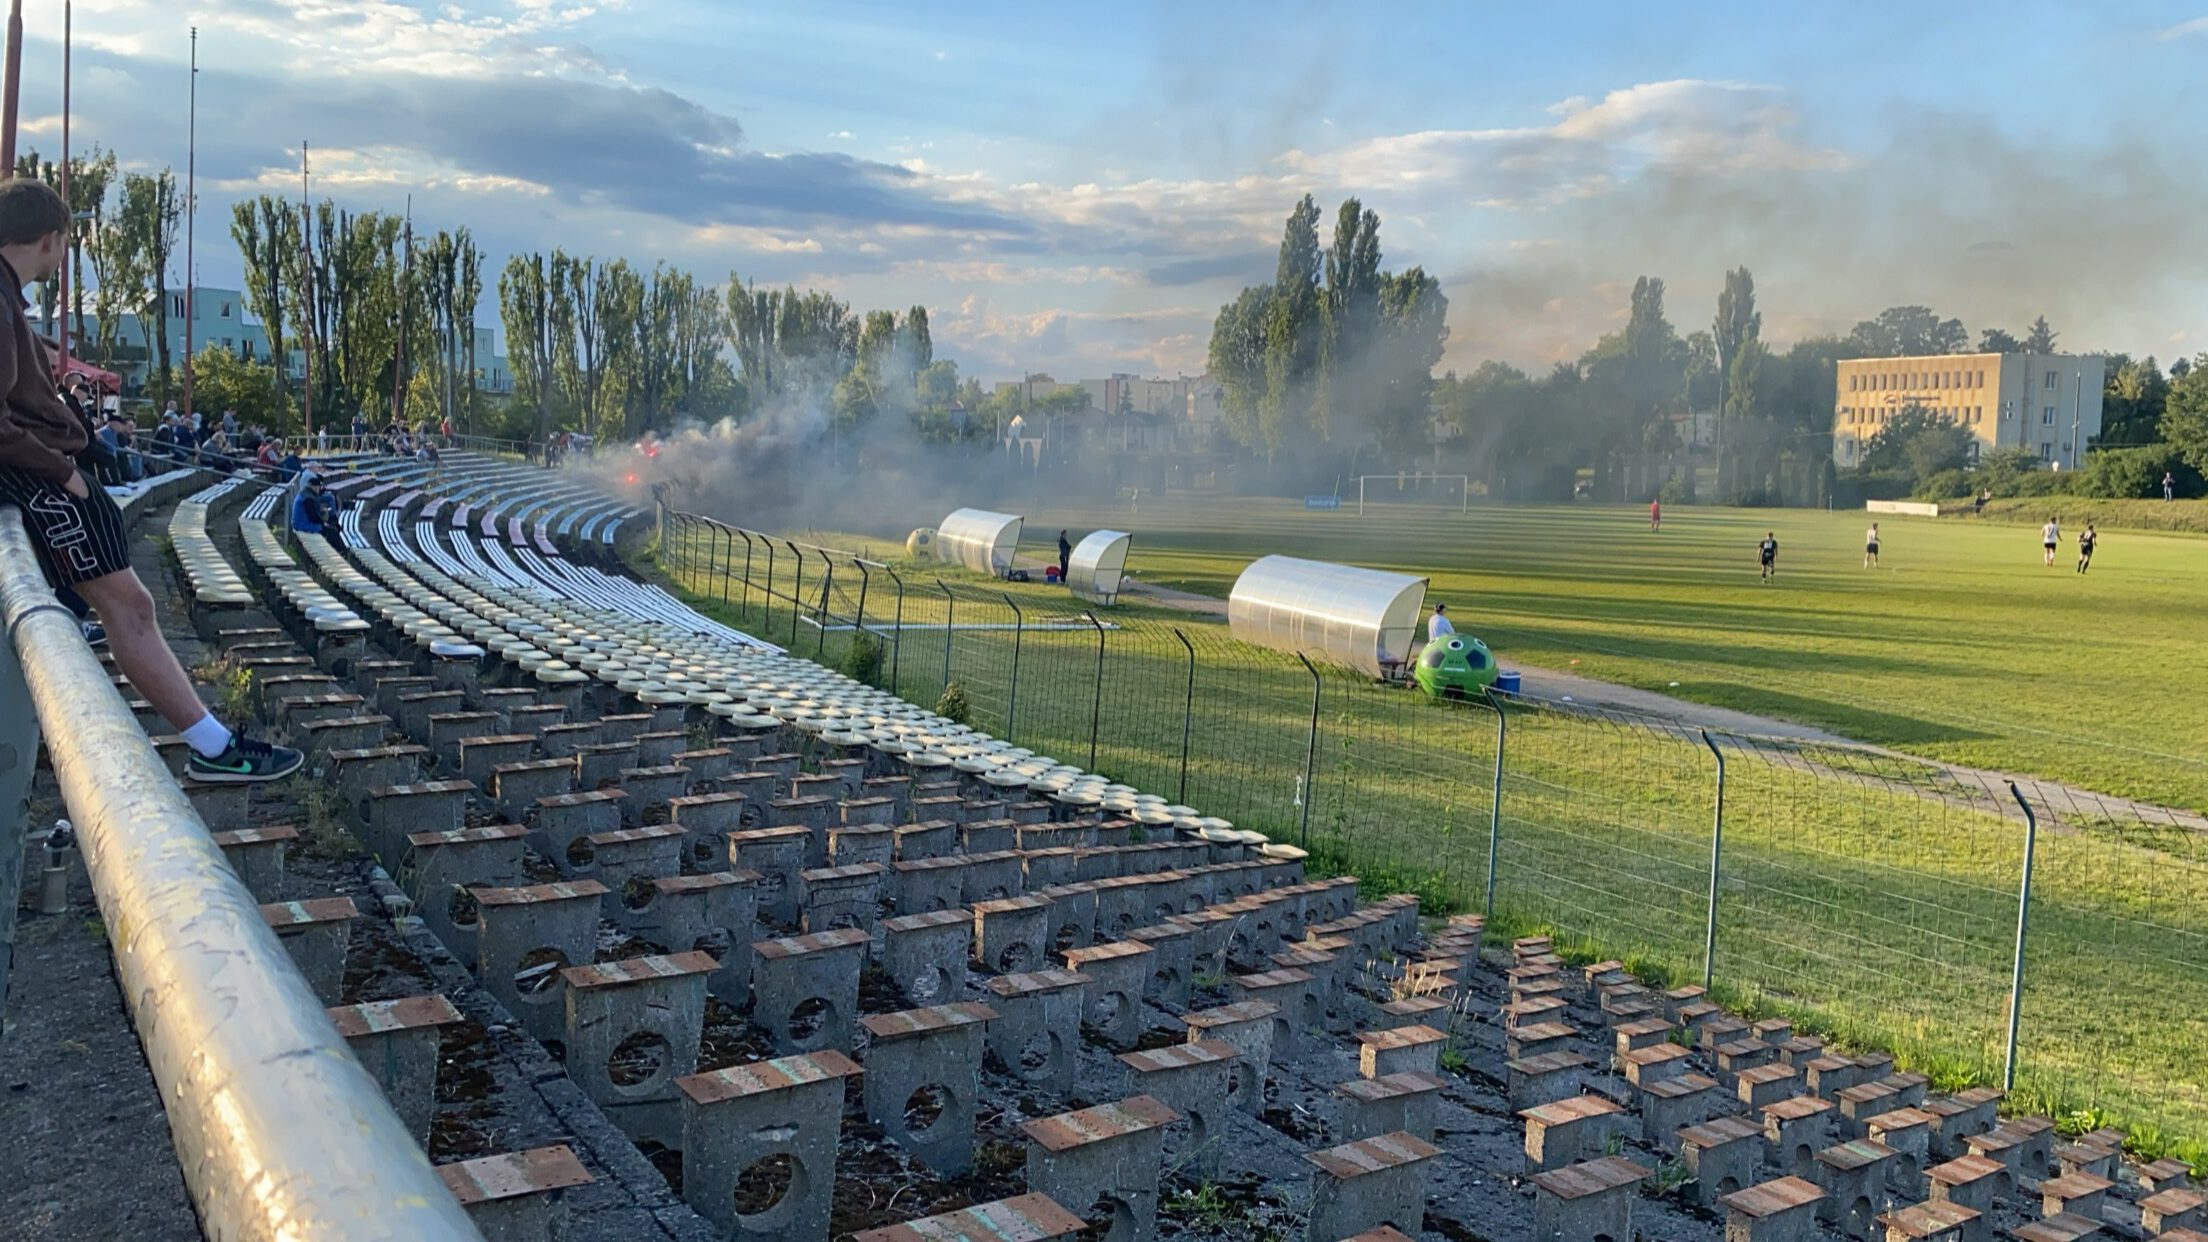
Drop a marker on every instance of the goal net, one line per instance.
(1414, 487)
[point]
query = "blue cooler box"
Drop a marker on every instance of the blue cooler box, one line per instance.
(1507, 681)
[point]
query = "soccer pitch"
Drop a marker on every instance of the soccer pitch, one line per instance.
(1960, 646)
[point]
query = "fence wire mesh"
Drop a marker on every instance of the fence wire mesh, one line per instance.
(1870, 896)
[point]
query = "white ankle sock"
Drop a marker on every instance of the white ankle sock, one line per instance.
(209, 737)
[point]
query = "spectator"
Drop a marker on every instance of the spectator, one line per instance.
(2169, 486)
(360, 431)
(314, 511)
(216, 450)
(1440, 626)
(289, 468)
(75, 529)
(322, 438)
(270, 453)
(1065, 556)
(230, 424)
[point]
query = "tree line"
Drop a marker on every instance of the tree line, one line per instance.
(1331, 362)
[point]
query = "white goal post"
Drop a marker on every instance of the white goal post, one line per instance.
(1417, 480)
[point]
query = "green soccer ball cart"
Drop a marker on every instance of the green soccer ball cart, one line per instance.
(1455, 666)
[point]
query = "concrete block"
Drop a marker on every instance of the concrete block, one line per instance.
(517, 1196)
(1569, 1131)
(1929, 1222)
(396, 1041)
(932, 839)
(1375, 1106)
(632, 1029)
(257, 856)
(1853, 1175)
(479, 756)
(805, 989)
(1117, 973)
(1795, 1130)
(842, 897)
(627, 860)
(707, 819)
(526, 937)
(1287, 991)
(355, 772)
(1038, 1015)
(1103, 1162)
(1248, 1028)
(992, 876)
(516, 788)
(599, 765)
(1010, 933)
(1369, 1184)
(1191, 1079)
(562, 824)
(1670, 1106)
(1586, 1202)
(652, 789)
(1722, 1155)
(925, 955)
(778, 855)
(1416, 1048)
(222, 807)
(1544, 1079)
(923, 1078)
(316, 934)
(1030, 1217)
(713, 913)
(1782, 1210)
(759, 1145)
(1972, 1182)
(1172, 962)
(1908, 1131)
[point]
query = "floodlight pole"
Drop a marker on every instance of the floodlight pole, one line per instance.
(14, 89)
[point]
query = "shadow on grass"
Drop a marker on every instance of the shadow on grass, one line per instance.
(1862, 723)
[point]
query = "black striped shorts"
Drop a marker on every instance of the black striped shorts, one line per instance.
(76, 540)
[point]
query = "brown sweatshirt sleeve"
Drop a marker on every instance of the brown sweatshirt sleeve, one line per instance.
(19, 447)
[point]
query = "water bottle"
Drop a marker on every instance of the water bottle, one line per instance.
(53, 882)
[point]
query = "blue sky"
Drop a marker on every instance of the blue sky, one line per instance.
(1077, 188)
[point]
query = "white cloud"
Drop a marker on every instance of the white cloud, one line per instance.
(2198, 25)
(840, 135)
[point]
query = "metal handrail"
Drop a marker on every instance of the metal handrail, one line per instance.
(280, 1132)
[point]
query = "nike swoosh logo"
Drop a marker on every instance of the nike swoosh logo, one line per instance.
(228, 767)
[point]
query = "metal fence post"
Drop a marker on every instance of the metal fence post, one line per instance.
(797, 590)
(1096, 699)
(730, 572)
(950, 616)
(827, 584)
(2023, 924)
(766, 598)
(1188, 714)
(1310, 751)
(743, 605)
(1717, 857)
(897, 627)
(1012, 695)
(1495, 809)
(865, 580)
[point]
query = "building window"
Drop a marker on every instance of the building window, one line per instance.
(2046, 450)
(2050, 380)
(2046, 416)
(225, 310)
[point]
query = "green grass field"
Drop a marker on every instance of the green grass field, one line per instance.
(1959, 647)
(1860, 895)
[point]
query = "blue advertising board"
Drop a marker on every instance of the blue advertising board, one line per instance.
(1322, 502)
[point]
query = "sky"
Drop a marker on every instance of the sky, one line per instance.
(1077, 188)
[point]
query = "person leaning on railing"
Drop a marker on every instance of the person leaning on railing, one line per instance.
(74, 527)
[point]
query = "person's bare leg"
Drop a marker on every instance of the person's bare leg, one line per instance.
(134, 635)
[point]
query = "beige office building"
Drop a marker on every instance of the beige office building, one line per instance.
(2049, 404)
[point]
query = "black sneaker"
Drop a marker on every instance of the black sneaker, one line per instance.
(95, 634)
(249, 761)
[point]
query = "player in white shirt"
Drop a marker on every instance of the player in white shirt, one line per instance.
(1870, 547)
(2050, 538)
(1438, 626)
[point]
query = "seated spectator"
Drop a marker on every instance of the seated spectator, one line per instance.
(314, 512)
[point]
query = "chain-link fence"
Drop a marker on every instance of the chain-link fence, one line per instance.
(1871, 896)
